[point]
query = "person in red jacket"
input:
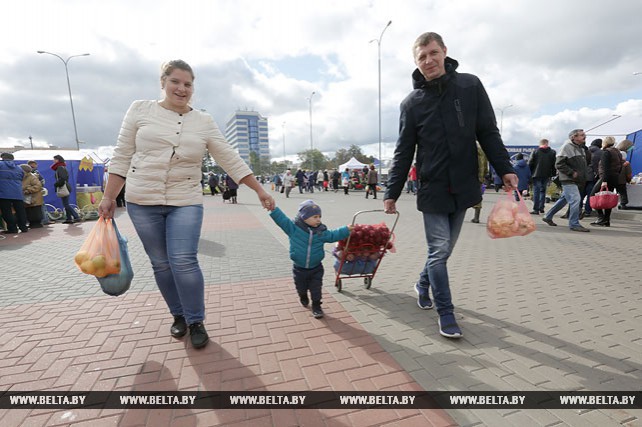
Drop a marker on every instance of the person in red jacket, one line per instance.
(412, 179)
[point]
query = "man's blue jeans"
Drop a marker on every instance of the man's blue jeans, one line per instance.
(570, 195)
(442, 231)
(170, 236)
(539, 193)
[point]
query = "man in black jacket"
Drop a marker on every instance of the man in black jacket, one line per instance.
(542, 165)
(441, 119)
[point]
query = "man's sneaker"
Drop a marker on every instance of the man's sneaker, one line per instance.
(534, 212)
(580, 228)
(317, 312)
(198, 335)
(549, 222)
(305, 301)
(423, 299)
(448, 326)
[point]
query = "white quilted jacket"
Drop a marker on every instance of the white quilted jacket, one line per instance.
(160, 152)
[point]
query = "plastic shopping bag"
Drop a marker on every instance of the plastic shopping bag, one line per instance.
(509, 218)
(100, 255)
(118, 284)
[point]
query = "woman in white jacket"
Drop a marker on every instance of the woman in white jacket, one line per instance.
(159, 152)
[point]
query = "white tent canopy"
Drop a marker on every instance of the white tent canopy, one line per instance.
(352, 164)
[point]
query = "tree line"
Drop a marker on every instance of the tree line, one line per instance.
(307, 160)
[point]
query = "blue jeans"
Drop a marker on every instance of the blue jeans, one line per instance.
(539, 193)
(170, 236)
(570, 195)
(442, 231)
(69, 211)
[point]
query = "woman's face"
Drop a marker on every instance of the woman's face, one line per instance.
(178, 88)
(55, 160)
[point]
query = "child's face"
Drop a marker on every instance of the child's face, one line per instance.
(313, 221)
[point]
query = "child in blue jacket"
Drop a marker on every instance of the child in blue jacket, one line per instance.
(307, 236)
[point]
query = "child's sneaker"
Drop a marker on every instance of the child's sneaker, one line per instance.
(423, 299)
(317, 312)
(305, 301)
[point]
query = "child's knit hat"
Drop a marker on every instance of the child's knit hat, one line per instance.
(308, 209)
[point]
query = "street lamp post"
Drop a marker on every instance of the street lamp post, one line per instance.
(31, 141)
(501, 120)
(283, 132)
(311, 146)
(71, 101)
(379, 74)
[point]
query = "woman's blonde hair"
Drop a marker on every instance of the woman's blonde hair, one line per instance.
(608, 142)
(168, 67)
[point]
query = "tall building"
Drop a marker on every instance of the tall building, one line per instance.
(247, 131)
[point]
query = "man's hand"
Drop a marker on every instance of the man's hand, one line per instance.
(390, 206)
(510, 181)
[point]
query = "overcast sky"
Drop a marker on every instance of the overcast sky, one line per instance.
(551, 65)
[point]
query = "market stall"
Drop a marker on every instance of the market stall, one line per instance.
(85, 169)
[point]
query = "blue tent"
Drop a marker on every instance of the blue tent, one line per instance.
(79, 173)
(635, 155)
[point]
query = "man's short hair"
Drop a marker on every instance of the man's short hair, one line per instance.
(425, 39)
(574, 132)
(6, 156)
(543, 141)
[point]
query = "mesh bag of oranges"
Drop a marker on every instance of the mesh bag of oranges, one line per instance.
(99, 256)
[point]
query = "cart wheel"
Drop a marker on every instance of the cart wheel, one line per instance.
(367, 282)
(337, 284)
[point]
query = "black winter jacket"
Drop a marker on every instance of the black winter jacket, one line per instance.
(442, 119)
(542, 163)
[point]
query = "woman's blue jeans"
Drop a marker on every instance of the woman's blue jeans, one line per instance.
(170, 236)
(442, 232)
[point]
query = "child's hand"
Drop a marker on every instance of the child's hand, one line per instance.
(350, 227)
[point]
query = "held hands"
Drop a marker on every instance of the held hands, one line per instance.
(267, 201)
(106, 208)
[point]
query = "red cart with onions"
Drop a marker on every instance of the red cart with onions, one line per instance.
(360, 255)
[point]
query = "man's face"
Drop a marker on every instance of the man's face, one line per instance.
(579, 138)
(430, 60)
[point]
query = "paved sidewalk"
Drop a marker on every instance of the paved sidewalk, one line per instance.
(63, 334)
(554, 310)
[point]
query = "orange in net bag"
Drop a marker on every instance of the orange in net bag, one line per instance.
(99, 256)
(509, 218)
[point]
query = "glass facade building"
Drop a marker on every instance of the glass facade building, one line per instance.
(247, 131)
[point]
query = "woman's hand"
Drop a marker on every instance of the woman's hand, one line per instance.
(106, 208)
(266, 200)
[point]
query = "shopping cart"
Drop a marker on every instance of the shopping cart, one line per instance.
(361, 260)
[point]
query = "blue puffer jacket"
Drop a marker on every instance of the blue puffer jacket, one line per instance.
(10, 180)
(306, 246)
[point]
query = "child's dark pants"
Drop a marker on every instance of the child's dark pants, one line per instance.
(309, 279)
